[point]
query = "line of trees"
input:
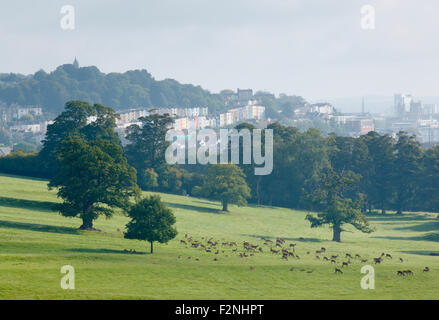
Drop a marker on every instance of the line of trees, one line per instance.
(393, 173)
(341, 178)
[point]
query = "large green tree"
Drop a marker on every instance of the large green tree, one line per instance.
(79, 120)
(428, 183)
(93, 178)
(407, 169)
(151, 220)
(147, 144)
(333, 207)
(379, 170)
(225, 183)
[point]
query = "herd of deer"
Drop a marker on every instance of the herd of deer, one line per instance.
(279, 247)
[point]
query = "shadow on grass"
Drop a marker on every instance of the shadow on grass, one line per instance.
(37, 227)
(87, 250)
(428, 226)
(204, 202)
(394, 217)
(423, 253)
(27, 204)
(300, 239)
(194, 208)
(434, 237)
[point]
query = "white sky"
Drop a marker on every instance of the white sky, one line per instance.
(313, 48)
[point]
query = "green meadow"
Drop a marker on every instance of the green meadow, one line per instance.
(36, 242)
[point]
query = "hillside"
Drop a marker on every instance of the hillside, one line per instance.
(36, 242)
(131, 89)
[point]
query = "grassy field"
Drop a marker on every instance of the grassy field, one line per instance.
(36, 242)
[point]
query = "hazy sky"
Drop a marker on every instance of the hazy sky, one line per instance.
(314, 48)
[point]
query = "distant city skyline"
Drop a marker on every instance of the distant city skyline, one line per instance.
(313, 49)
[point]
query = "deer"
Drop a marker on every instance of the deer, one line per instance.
(337, 270)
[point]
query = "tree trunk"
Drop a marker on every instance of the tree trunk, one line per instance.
(399, 212)
(152, 247)
(225, 206)
(383, 211)
(258, 191)
(336, 231)
(87, 223)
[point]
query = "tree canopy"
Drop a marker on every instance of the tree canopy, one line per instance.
(334, 207)
(225, 183)
(93, 178)
(152, 221)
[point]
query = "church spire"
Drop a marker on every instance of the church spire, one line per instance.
(76, 63)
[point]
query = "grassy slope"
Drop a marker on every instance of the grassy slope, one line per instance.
(35, 243)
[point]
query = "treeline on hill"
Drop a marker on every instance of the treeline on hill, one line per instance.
(119, 90)
(376, 172)
(132, 89)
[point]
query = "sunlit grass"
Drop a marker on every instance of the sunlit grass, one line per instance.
(35, 242)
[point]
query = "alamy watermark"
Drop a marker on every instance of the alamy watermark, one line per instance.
(67, 21)
(367, 17)
(368, 281)
(68, 281)
(204, 146)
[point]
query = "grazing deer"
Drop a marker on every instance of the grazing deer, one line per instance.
(377, 260)
(348, 255)
(426, 269)
(388, 256)
(274, 251)
(364, 261)
(344, 264)
(252, 268)
(400, 273)
(337, 270)
(401, 260)
(333, 261)
(323, 249)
